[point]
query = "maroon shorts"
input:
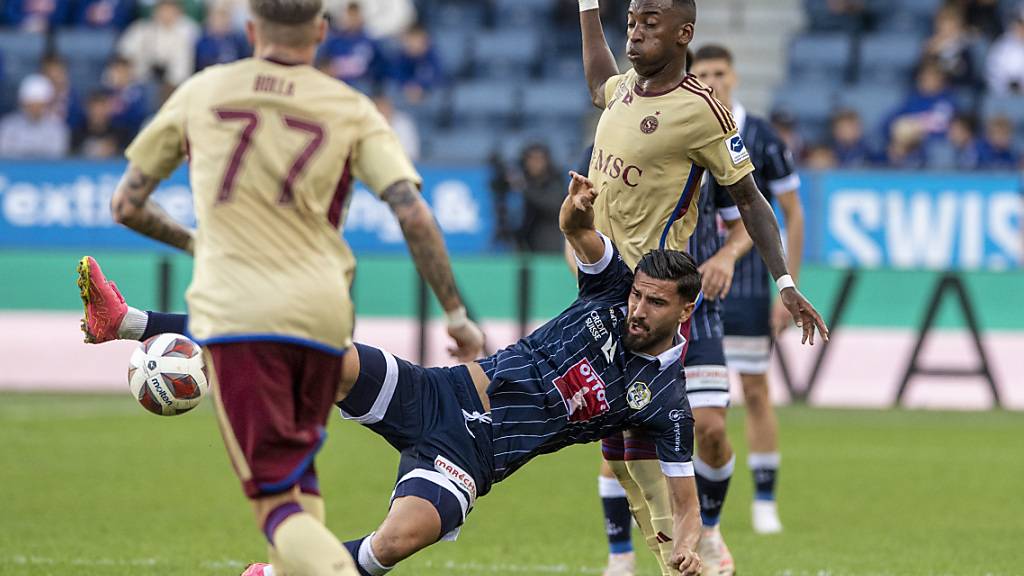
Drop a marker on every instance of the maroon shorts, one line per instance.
(272, 401)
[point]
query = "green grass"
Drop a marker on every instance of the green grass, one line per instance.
(94, 485)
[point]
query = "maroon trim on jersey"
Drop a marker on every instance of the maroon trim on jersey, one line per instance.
(280, 62)
(340, 194)
(692, 85)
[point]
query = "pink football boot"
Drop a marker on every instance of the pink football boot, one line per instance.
(103, 303)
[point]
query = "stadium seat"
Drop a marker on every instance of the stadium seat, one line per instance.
(889, 57)
(920, 9)
(523, 12)
(820, 55)
(806, 102)
(1010, 106)
(453, 49)
(556, 98)
(458, 146)
(85, 45)
(507, 52)
(485, 99)
(873, 102)
(22, 52)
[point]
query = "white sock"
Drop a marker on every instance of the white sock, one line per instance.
(269, 571)
(769, 460)
(133, 325)
(610, 488)
(368, 561)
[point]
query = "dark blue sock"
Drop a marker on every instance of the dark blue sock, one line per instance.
(353, 548)
(160, 323)
(618, 520)
(712, 486)
(764, 482)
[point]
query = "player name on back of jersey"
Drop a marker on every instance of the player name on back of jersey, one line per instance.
(273, 85)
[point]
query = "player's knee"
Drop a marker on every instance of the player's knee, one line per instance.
(711, 435)
(755, 391)
(392, 546)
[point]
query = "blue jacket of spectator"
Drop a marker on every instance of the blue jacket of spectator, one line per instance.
(214, 49)
(130, 108)
(935, 110)
(21, 13)
(992, 158)
(353, 57)
(424, 71)
(116, 14)
(857, 155)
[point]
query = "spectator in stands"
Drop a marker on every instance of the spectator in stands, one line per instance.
(98, 138)
(34, 131)
(104, 14)
(157, 45)
(959, 151)
(402, 124)
(848, 143)
(997, 151)
(37, 15)
(1006, 59)
(821, 157)
(950, 47)
(543, 190)
(417, 69)
(983, 17)
(129, 99)
(194, 9)
(355, 57)
(853, 15)
(930, 104)
(386, 18)
(66, 103)
(906, 145)
(786, 126)
(220, 42)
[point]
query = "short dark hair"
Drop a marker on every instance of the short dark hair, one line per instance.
(713, 52)
(689, 7)
(680, 267)
(287, 12)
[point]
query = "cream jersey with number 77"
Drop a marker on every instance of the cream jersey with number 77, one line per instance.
(273, 150)
(650, 154)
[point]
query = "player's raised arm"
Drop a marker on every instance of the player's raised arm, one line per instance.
(131, 205)
(598, 61)
(426, 245)
(686, 524)
(760, 222)
(576, 219)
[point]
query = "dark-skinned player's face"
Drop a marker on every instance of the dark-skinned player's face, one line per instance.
(657, 33)
(655, 311)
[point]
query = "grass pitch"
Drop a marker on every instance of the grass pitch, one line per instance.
(94, 485)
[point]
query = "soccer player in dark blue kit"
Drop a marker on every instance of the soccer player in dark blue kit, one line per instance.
(751, 320)
(608, 363)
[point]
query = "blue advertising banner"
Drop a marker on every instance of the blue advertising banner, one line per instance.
(915, 220)
(66, 205)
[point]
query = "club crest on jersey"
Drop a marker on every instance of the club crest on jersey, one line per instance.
(638, 395)
(583, 392)
(649, 124)
(737, 151)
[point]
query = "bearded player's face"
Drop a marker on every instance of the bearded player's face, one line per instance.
(655, 311)
(655, 34)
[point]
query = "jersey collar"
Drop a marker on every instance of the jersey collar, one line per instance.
(668, 357)
(739, 114)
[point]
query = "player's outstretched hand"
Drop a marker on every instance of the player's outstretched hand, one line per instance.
(806, 317)
(716, 275)
(581, 192)
(686, 561)
(469, 341)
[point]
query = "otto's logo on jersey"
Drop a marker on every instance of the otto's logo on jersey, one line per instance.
(638, 395)
(615, 167)
(583, 392)
(737, 151)
(649, 124)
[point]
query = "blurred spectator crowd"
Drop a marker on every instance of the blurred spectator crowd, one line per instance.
(907, 84)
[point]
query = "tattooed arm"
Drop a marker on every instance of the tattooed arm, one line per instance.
(426, 245)
(760, 222)
(132, 207)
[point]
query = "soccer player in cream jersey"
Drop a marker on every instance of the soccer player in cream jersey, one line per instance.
(273, 147)
(660, 130)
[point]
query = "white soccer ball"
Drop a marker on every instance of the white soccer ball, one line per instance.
(167, 375)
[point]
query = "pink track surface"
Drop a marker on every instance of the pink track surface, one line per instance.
(44, 352)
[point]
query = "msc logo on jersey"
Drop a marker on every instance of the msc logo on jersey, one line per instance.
(737, 151)
(638, 395)
(583, 392)
(649, 124)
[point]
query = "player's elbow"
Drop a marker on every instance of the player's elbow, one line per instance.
(122, 210)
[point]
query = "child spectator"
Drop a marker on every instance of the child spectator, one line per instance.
(355, 58)
(959, 151)
(906, 149)
(104, 14)
(34, 131)
(220, 43)
(848, 143)
(129, 99)
(997, 151)
(66, 103)
(98, 138)
(930, 105)
(37, 15)
(417, 69)
(950, 46)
